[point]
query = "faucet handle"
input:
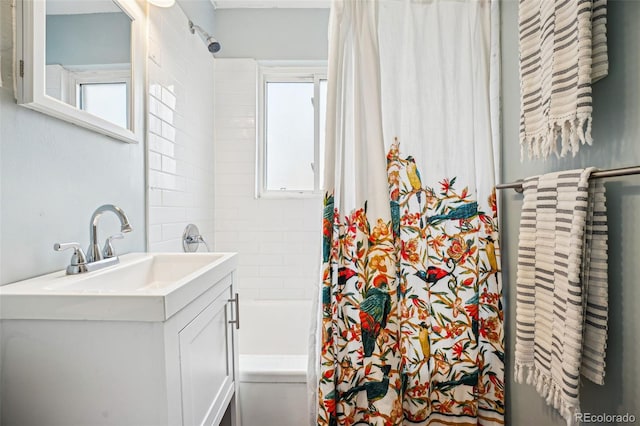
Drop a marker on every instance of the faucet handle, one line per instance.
(108, 251)
(78, 257)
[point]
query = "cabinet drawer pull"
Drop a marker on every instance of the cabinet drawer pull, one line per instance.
(237, 320)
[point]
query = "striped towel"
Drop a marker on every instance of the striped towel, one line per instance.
(561, 304)
(563, 50)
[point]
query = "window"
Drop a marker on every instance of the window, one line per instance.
(291, 130)
(103, 93)
(104, 100)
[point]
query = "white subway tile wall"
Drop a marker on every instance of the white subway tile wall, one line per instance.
(278, 240)
(180, 131)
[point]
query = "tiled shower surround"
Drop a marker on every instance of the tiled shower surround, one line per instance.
(180, 131)
(278, 239)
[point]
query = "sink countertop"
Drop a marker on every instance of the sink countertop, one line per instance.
(142, 287)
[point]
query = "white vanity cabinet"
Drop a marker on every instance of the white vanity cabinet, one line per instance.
(207, 362)
(178, 370)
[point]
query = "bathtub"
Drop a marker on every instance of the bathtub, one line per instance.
(273, 341)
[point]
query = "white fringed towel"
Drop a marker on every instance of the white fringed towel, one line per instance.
(561, 302)
(563, 50)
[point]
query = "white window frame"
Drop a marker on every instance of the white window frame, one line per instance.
(269, 73)
(81, 76)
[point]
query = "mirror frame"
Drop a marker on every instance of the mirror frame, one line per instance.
(31, 74)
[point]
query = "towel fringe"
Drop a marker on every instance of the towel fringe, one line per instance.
(530, 376)
(551, 392)
(565, 140)
(518, 373)
(548, 389)
(569, 133)
(588, 137)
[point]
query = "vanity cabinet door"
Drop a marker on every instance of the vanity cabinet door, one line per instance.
(206, 363)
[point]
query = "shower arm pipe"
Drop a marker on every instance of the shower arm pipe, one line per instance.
(194, 27)
(623, 171)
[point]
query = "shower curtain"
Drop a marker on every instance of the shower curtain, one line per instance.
(410, 323)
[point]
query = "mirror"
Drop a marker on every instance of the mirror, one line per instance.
(83, 61)
(88, 57)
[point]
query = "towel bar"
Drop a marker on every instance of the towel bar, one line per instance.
(623, 171)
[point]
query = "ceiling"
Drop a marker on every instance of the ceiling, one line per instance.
(233, 4)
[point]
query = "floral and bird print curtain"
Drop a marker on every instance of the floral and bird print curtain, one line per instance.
(423, 344)
(410, 314)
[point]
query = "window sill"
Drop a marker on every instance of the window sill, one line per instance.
(289, 195)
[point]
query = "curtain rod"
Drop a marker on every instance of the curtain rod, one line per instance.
(624, 171)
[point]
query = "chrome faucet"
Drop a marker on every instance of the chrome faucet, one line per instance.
(96, 259)
(93, 253)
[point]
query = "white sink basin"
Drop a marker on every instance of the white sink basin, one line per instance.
(142, 287)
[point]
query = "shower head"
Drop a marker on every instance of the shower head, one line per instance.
(213, 45)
